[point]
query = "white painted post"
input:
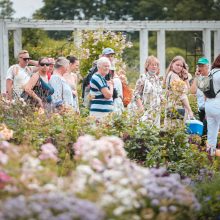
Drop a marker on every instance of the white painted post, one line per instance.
(161, 51)
(207, 43)
(4, 54)
(143, 48)
(77, 38)
(216, 43)
(17, 41)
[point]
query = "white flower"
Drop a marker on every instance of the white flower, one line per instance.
(124, 181)
(84, 169)
(3, 158)
(30, 163)
(119, 210)
(33, 186)
(50, 187)
(107, 200)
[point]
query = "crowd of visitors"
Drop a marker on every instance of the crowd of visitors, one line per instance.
(51, 83)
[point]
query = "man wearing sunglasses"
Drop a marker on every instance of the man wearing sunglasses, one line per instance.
(18, 75)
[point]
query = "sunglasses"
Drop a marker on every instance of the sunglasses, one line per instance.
(44, 64)
(25, 59)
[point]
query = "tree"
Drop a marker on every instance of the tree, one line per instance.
(130, 10)
(87, 9)
(6, 9)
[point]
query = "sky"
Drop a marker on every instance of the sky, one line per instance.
(26, 8)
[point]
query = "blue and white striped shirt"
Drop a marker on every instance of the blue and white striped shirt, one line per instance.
(99, 103)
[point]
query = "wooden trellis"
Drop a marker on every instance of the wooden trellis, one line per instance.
(161, 27)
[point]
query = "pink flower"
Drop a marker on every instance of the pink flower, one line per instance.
(4, 179)
(3, 158)
(97, 165)
(4, 145)
(48, 151)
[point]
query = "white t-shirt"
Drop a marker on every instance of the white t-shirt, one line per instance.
(200, 99)
(20, 76)
(118, 86)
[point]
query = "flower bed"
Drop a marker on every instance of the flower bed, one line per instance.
(98, 168)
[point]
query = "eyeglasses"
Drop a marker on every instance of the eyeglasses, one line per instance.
(25, 59)
(44, 64)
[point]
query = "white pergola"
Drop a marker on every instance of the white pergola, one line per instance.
(142, 26)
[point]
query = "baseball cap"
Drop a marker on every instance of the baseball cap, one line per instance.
(203, 60)
(108, 50)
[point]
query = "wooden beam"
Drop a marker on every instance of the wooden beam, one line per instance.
(207, 43)
(77, 38)
(17, 41)
(161, 51)
(113, 25)
(4, 54)
(216, 43)
(143, 48)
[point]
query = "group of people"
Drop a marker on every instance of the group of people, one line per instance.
(49, 82)
(148, 96)
(46, 83)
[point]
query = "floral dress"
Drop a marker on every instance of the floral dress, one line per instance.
(149, 90)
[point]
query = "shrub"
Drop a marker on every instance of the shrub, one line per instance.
(124, 189)
(208, 194)
(93, 42)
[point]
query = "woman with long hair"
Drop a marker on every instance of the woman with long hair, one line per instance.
(38, 87)
(177, 86)
(72, 79)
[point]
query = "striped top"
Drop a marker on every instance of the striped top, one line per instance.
(99, 103)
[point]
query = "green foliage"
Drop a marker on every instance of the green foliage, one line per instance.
(190, 163)
(6, 9)
(173, 143)
(172, 52)
(193, 104)
(172, 147)
(79, 9)
(208, 194)
(130, 10)
(140, 141)
(34, 128)
(93, 42)
(50, 48)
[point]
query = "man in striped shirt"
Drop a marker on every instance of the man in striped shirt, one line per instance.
(101, 91)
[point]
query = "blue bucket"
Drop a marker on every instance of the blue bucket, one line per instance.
(194, 127)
